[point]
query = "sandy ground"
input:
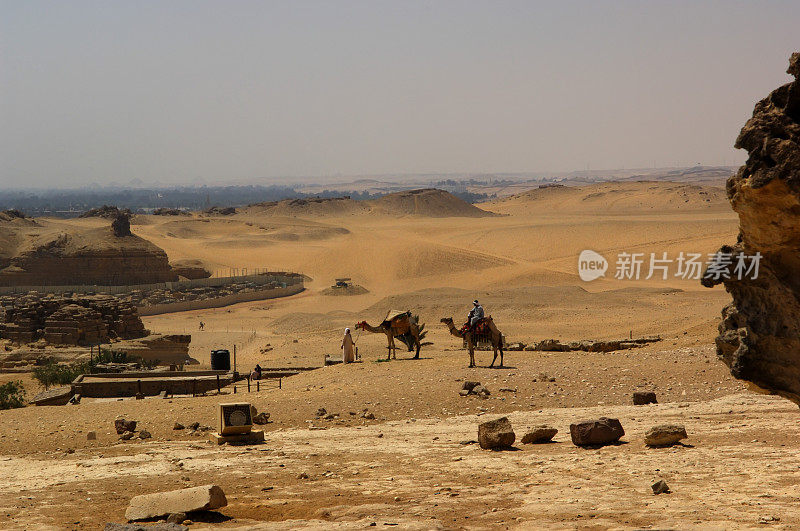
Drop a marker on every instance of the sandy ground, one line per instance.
(407, 466)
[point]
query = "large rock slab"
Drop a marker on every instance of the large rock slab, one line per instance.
(759, 337)
(641, 398)
(596, 432)
(496, 434)
(665, 435)
(204, 498)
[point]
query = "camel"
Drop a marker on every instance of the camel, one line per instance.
(401, 325)
(496, 338)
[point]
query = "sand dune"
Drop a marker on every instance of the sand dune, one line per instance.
(616, 198)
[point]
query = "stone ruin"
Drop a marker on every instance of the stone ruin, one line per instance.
(60, 320)
(759, 337)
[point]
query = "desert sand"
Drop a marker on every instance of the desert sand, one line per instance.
(408, 466)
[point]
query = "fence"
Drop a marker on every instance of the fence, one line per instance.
(282, 278)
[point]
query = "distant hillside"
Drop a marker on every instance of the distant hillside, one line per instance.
(428, 202)
(617, 198)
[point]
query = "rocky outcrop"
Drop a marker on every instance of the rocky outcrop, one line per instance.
(759, 337)
(100, 256)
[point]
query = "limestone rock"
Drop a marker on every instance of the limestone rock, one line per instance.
(665, 435)
(596, 432)
(539, 434)
(759, 337)
(122, 426)
(641, 398)
(261, 419)
(496, 434)
(204, 498)
(660, 487)
(176, 518)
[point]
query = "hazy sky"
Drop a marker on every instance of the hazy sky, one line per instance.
(233, 91)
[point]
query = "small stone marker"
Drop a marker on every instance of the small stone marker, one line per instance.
(539, 434)
(204, 498)
(496, 434)
(641, 398)
(660, 487)
(665, 435)
(596, 432)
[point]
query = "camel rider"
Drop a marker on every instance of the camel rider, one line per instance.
(475, 314)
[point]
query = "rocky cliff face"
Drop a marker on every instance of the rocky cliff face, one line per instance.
(102, 256)
(759, 337)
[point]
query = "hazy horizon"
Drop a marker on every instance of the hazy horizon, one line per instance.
(185, 92)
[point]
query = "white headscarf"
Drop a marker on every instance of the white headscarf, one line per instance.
(346, 330)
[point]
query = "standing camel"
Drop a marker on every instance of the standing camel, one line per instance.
(464, 333)
(402, 326)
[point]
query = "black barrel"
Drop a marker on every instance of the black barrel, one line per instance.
(220, 360)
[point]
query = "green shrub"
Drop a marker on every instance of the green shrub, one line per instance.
(12, 395)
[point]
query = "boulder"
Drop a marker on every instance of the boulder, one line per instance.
(596, 432)
(660, 487)
(469, 386)
(144, 434)
(122, 426)
(204, 498)
(496, 434)
(759, 336)
(641, 398)
(539, 434)
(665, 435)
(261, 419)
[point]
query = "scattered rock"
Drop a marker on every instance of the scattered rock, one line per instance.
(127, 436)
(194, 426)
(122, 426)
(144, 434)
(178, 426)
(176, 518)
(596, 432)
(665, 435)
(496, 434)
(469, 386)
(539, 434)
(204, 498)
(463, 392)
(660, 487)
(261, 419)
(321, 412)
(149, 527)
(641, 398)
(91, 436)
(302, 475)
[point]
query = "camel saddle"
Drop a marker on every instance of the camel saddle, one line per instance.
(481, 327)
(395, 315)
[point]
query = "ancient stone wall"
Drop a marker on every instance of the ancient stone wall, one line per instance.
(60, 320)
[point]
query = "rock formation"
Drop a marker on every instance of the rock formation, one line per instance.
(759, 337)
(35, 255)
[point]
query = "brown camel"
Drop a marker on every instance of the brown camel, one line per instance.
(402, 326)
(495, 335)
